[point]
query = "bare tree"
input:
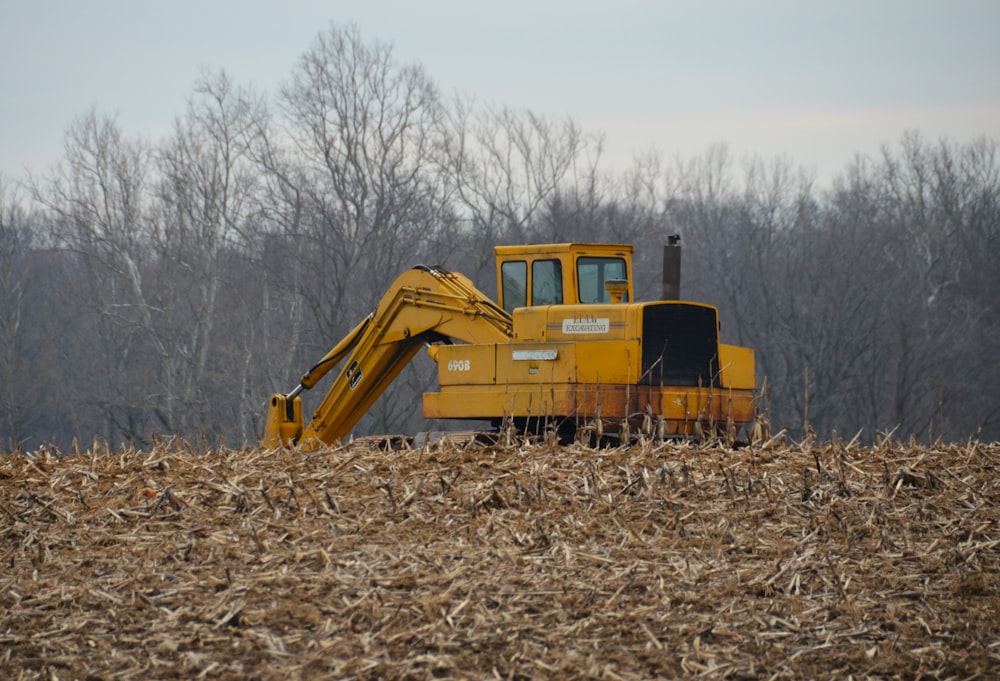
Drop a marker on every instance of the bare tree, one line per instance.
(207, 200)
(16, 396)
(97, 198)
(366, 131)
(940, 221)
(504, 168)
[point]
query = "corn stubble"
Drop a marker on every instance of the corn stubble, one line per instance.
(462, 560)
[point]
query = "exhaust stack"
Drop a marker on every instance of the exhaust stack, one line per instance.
(672, 268)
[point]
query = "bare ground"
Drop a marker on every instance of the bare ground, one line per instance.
(815, 560)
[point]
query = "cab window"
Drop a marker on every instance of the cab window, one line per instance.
(593, 272)
(514, 275)
(546, 282)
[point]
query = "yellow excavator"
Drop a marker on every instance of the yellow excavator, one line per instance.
(564, 350)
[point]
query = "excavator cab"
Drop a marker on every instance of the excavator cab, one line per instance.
(562, 274)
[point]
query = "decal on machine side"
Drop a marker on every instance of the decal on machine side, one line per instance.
(459, 365)
(534, 355)
(354, 374)
(586, 324)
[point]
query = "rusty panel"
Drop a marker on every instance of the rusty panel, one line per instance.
(581, 401)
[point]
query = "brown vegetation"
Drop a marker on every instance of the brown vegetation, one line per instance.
(467, 561)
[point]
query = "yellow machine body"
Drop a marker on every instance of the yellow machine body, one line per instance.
(581, 362)
(562, 346)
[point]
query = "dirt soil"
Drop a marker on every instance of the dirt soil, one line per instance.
(815, 560)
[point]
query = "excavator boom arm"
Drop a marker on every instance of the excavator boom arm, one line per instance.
(424, 305)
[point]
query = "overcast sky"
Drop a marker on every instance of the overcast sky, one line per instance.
(817, 82)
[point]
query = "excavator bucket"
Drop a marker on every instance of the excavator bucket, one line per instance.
(283, 426)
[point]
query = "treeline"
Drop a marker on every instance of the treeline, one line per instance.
(169, 287)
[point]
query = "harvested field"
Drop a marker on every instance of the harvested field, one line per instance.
(520, 562)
